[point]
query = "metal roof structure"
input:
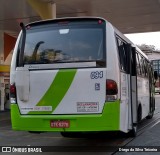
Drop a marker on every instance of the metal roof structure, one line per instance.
(129, 16)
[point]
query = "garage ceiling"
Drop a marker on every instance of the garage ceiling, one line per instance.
(129, 16)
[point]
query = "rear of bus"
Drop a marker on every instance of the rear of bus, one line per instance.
(58, 77)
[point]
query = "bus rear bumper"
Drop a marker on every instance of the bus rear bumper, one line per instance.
(109, 120)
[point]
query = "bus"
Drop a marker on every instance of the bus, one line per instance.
(156, 67)
(157, 86)
(78, 75)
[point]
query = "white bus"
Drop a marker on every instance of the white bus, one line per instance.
(76, 75)
(156, 67)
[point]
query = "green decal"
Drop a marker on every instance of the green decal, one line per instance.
(56, 91)
(108, 120)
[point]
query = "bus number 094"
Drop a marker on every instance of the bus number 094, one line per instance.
(96, 75)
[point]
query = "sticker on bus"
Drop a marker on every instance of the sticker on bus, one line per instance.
(37, 108)
(87, 106)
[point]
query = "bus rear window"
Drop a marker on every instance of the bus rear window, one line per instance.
(48, 45)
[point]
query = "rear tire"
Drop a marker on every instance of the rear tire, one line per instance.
(133, 132)
(139, 116)
(35, 132)
(70, 134)
(150, 115)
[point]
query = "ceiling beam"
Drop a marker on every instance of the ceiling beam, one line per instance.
(44, 10)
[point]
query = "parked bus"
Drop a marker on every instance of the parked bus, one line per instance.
(157, 86)
(75, 75)
(156, 67)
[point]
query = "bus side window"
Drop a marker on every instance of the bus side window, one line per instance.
(122, 54)
(145, 68)
(138, 65)
(141, 65)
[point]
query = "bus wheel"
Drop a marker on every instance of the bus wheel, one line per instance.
(70, 134)
(150, 115)
(133, 132)
(35, 132)
(139, 115)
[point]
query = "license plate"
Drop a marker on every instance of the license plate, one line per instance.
(60, 124)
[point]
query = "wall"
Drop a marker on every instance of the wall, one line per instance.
(154, 55)
(7, 43)
(1, 62)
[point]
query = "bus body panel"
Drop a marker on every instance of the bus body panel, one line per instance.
(143, 95)
(65, 91)
(113, 70)
(107, 121)
(124, 106)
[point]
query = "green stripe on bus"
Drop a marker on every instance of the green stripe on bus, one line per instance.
(108, 120)
(56, 91)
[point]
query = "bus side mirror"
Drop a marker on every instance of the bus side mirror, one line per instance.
(155, 75)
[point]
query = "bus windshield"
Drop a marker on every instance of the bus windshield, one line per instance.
(47, 45)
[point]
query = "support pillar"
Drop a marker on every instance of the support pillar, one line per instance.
(46, 10)
(2, 93)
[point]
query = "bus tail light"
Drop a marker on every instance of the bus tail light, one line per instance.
(111, 90)
(12, 93)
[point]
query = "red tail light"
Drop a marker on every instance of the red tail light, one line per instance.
(100, 22)
(12, 90)
(111, 87)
